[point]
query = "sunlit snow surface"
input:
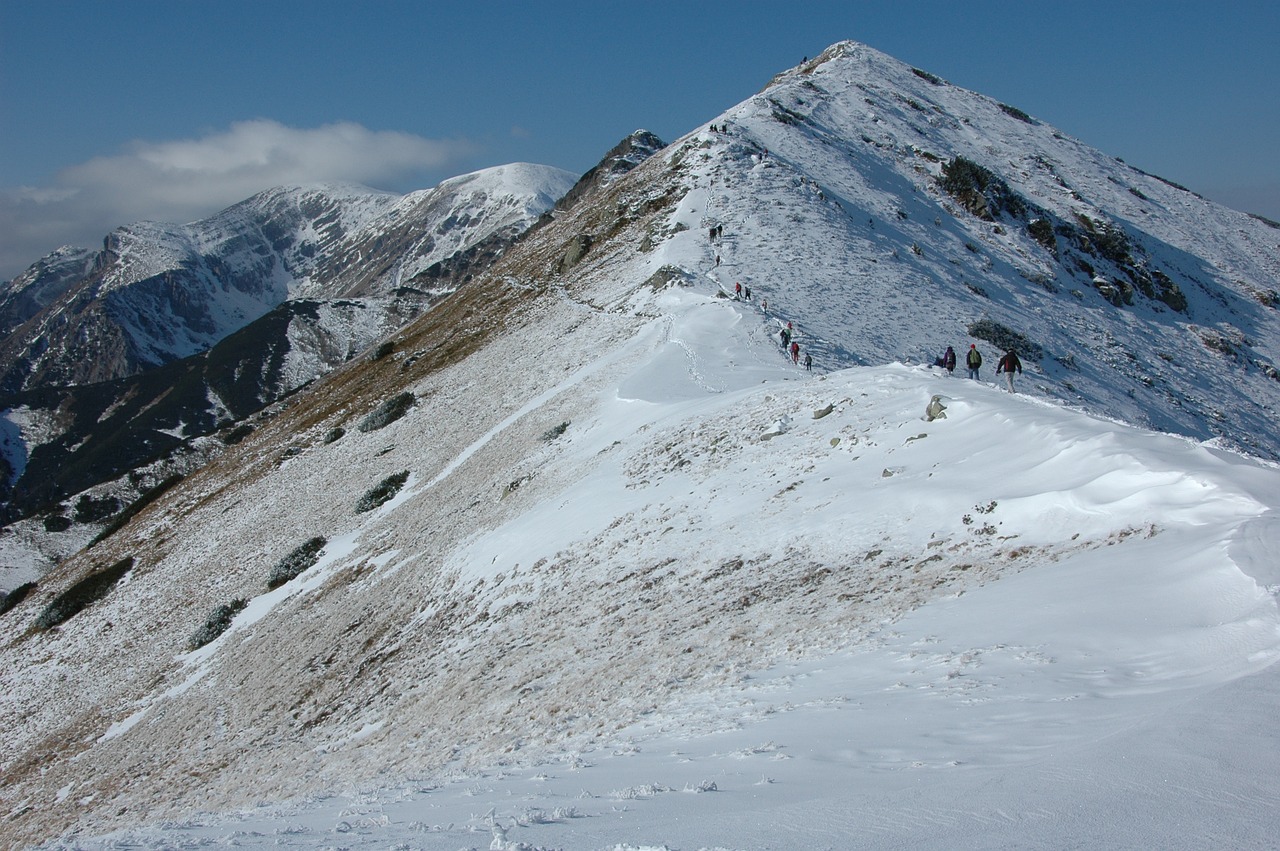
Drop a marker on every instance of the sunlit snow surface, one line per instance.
(1101, 679)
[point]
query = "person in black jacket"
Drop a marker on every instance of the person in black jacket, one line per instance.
(1007, 365)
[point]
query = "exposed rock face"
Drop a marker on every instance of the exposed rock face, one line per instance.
(622, 158)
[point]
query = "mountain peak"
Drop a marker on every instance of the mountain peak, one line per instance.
(589, 498)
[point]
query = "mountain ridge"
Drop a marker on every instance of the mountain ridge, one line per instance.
(587, 492)
(159, 292)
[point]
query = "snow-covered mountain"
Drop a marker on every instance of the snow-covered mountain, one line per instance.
(159, 292)
(156, 292)
(584, 536)
(428, 227)
(324, 250)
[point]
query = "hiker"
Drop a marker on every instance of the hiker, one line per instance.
(737, 291)
(747, 292)
(973, 360)
(717, 259)
(764, 305)
(949, 360)
(795, 353)
(1007, 365)
(785, 334)
(808, 362)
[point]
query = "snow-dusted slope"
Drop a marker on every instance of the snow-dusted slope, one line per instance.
(617, 548)
(697, 565)
(46, 280)
(844, 226)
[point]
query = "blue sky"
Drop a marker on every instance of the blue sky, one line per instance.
(113, 112)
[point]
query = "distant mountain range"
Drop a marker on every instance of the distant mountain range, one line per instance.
(156, 293)
(114, 359)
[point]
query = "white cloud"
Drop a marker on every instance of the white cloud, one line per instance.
(188, 179)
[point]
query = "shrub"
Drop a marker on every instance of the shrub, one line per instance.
(1112, 243)
(90, 510)
(1005, 338)
(237, 434)
(1042, 232)
(388, 412)
(135, 507)
(554, 432)
(16, 596)
(1169, 292)
(979, 190)
(56, 523)
(218, 622)
(1016, 113)
(84, 593)
(927, 77)
(382, 492)
(302, 557)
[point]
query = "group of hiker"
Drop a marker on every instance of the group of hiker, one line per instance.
(792, 348)
(1008, 364)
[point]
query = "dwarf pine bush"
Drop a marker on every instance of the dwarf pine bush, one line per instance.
(382, 492)
(95, 510)
(1015, 113)
(555, 431)
(979, 190)
(927, 77)
(1005, 338)
(1041, 231)
(56, 523)
(218, 622)
(150, 496)
(237, 434)
(84, 593)
(302, 557)
(388, 412)
(16, 596)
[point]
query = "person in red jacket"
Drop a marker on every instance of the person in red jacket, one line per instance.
(1007, 365)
